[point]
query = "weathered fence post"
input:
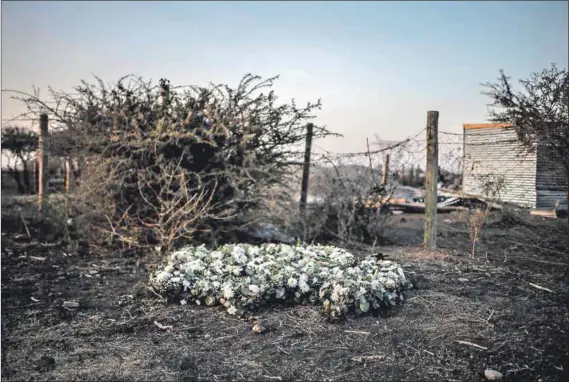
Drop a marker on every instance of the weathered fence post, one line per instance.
(306, 169)
(67, 175)
(431, 177)
(385, 174)
(43, 169)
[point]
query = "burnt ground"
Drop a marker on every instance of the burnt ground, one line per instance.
(505, 323)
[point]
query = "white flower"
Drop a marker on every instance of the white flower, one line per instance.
(390, 283)
(163, 276)
(232, 310)
(304, 287)
(239, 255)
(292, 282)
(254, 288)
(183, 302)
(216, 255)
(338, 293)
(227, 291)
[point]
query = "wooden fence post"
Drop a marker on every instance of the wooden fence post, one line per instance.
(385, 174)
(43, 169)
(431, 178)
(306, 169)
(67, 175)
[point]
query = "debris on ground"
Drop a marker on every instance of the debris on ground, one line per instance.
(258, 328)
(70, 304)
(492, 375)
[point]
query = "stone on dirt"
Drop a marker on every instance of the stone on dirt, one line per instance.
(70, 304)
(492, 375)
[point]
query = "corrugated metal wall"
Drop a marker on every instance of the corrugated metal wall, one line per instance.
(496, 152)
(551, 184)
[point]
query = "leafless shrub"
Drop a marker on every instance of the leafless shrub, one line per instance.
(492, 186)
(350, 206)
(163, 165)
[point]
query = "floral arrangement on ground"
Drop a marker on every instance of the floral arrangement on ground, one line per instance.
(243, 277)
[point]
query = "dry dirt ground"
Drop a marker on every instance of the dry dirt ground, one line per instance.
(504, 322)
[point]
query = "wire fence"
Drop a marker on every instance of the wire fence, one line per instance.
(482, 162)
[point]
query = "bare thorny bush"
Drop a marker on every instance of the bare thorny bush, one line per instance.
(351, 205)
(164, 165)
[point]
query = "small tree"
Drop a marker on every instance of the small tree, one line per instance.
(21, 143)
(539, 112)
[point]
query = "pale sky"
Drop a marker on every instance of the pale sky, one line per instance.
(378, 66)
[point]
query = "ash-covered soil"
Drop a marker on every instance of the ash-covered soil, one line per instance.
(465, 316)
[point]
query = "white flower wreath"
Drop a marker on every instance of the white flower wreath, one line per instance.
(241, 277)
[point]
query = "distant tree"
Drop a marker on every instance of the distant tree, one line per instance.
(419, 177)
(21, 143)
(402, 176)
(411, 176)
(540, 111)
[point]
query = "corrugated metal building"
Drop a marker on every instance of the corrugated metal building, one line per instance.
(493, 151)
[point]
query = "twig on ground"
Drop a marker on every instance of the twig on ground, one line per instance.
(491, 314)
(357, 332)
(163, 327)
(38, 258)
(153, 291)
(472, 344)
(282, 350)
(541, 288)
(363, 358)
(25, 225)
(269, 377)
(412, 348)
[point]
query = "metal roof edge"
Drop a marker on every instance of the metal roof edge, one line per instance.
(469, 126)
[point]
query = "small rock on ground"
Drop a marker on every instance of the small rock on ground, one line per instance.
(258, 328)
(492, 375)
